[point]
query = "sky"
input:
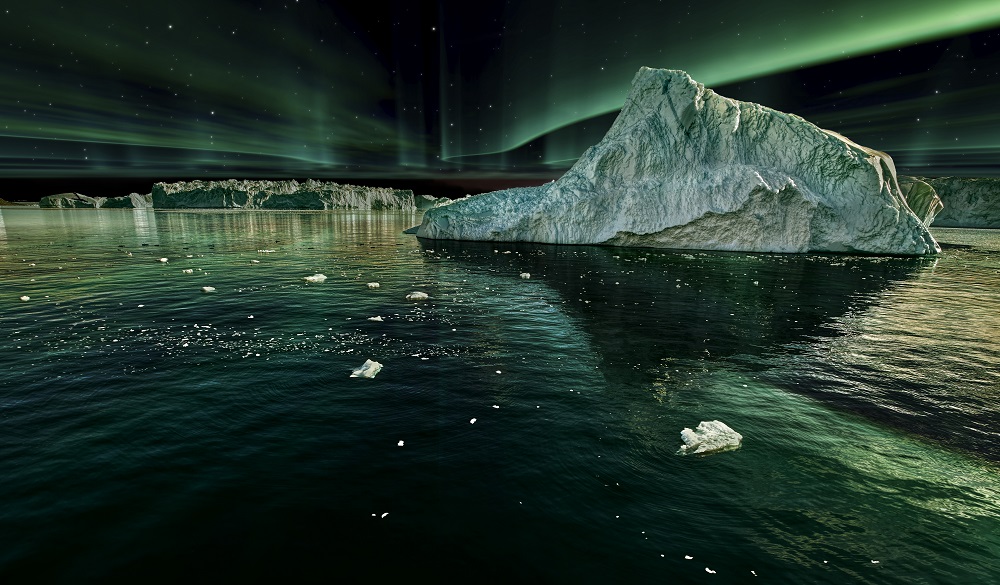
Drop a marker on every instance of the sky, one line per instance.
(500, 91)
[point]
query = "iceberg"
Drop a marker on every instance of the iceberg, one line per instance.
(709, 437)
(245, 194)
(315, 278)
(683, 167)
(417, 296)
(78, 201)
(367, 370)
(968, 202)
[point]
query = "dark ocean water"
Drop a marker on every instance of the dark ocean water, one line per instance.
(151, 432)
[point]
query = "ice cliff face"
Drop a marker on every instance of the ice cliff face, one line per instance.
(237, 194)
(973, 203)
(922, 199)
(76, 201)
(683, 167)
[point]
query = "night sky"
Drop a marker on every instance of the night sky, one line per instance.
(467, 91)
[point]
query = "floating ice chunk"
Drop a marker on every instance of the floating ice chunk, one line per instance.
(496, 406)
(688, 557)
(373, 285)
(255, 262)
(163, 260)
(709, 571)
(874, 562)
(417, 296)
(25, 298)
(384, 514)
(399, 444)
(710, 437)
(188, 271)
(367, 370)
(315, 278)
(208, 289)
(376, 318)
(472, 422)
(525, 275)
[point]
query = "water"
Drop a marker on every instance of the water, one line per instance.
(152, 432)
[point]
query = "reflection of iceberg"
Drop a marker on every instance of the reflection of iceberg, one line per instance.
(709, 437)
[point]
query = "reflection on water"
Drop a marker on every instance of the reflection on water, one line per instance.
(152, 430)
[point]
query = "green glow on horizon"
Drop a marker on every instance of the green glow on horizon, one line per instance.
(774, 37)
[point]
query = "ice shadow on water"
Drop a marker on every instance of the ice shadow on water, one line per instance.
(645, 308)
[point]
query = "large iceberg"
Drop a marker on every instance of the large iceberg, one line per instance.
(683, 167)
(968, 202)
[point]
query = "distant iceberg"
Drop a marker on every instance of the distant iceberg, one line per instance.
(709, 437)
(78, 201)
(968, 202)
(244, 194)
(683, 167)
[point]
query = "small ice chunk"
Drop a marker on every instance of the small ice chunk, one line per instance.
(499, 372)
(208, 289)
(255, 262)
(709, 437)
(688, 557)
(163, 260)
(496, 406)
(874, 562)
(373, 285)
(188, 271)
(375, 318)
(25, 298)
(417, 296)
(315, 278)
(525, 275)
(472, 422)
(709, 571)
(367, 370)
(399, 444)
(384, 514)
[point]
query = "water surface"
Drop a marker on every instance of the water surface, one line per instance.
(153, 432)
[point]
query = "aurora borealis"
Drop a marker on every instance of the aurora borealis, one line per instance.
(468, 89)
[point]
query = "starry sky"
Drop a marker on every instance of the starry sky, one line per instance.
(494, 92)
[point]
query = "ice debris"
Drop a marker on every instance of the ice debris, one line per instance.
(376, 318)
(399, 444)
(709, 437)
(417, 296)
(25, 298)
(163, 260)
(367, 370)
(208, 289)
(315, 278)
(188, 271)
(373, 285)
(526, 275)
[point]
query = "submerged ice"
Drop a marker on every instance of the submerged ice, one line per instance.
(683, 167)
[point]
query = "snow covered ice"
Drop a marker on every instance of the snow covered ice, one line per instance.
(709, 437)
(367, 370)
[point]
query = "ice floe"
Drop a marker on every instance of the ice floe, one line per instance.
(417, 296)
(709, 437)
(367, 370)
(315, 278)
